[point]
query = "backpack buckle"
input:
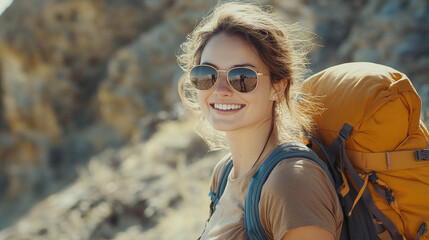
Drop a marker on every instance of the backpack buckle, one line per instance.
(423, 229)
(373, 177)
(422, 155)
(346, 131)
(389, 196)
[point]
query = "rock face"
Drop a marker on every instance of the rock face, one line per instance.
(130, 193)
(78, 77)
(394, 33)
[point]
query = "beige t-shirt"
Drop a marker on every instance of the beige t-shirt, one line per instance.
(297, 193)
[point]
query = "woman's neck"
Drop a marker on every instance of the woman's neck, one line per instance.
(251, 145)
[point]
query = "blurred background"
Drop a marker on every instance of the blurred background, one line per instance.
(94, 142)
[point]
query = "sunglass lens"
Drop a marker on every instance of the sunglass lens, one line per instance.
(243, 79)
(203, 77)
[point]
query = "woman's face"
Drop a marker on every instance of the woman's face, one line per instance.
(226, 109)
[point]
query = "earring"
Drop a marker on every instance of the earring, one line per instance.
(274, 97)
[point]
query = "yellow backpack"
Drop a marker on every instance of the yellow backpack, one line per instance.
(388, 146)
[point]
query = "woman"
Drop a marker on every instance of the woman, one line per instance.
(242, 68)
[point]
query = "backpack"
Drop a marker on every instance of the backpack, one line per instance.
(384, 143)
(375, 148)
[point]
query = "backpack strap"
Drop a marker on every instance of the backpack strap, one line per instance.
(338, 147)
(252, 223)
(215, 196)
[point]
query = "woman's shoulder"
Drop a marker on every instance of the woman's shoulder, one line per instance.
(302, 195)
(217, 171)
(298, 166)
(222, 163)
(302, 173)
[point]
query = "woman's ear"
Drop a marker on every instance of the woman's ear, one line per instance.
(278, 89)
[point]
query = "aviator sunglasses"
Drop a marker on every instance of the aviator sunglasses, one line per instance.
(242, 79)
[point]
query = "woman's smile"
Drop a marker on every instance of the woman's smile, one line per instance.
(226, 107)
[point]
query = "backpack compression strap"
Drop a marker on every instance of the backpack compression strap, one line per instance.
(252, 223)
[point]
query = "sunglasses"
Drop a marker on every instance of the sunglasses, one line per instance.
(242, 79)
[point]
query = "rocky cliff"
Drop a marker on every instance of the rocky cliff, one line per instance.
(78, 77)
(90, 119)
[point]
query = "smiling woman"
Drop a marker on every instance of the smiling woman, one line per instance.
(242, 69)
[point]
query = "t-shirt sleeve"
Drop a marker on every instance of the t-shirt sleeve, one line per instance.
(298, 193)
(217, 172)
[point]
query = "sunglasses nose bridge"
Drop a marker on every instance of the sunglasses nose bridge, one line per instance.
(222, 72)
(222, 76)
(222, 84)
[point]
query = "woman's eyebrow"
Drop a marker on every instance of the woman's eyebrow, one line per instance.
(210, 64)
(244, 65)
(234, 66)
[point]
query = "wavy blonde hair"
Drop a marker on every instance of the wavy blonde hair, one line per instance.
(282, 47)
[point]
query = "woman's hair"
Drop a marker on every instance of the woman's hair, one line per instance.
(282, 47)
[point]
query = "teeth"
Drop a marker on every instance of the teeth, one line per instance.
(227, 106)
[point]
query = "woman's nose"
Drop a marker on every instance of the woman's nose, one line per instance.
(223, 88)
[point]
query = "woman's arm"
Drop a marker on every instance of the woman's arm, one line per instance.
(308, 233)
